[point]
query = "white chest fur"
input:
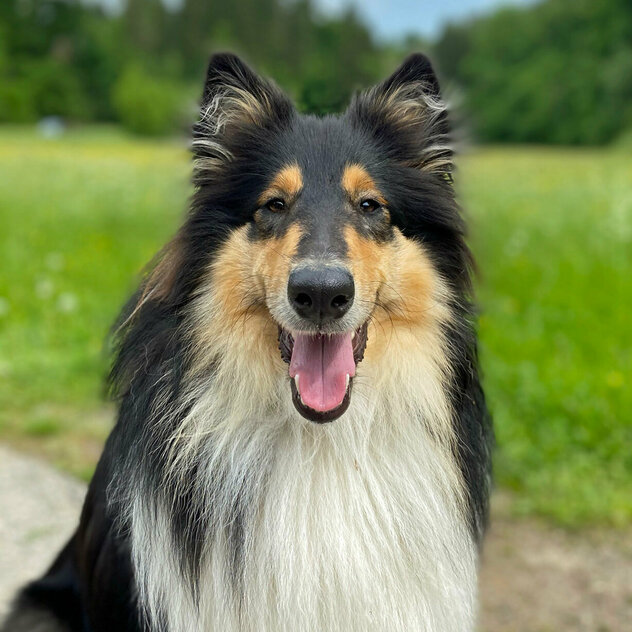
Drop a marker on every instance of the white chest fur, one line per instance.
(357, 525)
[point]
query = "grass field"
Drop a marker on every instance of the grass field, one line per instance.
(552, 231)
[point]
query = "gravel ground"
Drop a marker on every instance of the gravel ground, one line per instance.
(534, 578)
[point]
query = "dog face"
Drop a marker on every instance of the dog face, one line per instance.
(325, 231)
(334, 231)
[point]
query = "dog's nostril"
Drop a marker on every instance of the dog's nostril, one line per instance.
(339, 301)
(303, 300)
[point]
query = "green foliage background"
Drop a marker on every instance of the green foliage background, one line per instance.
(559, 71)
(65, 58)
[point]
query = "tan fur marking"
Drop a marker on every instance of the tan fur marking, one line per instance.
(236, 291)
(405, 286)
(416, 280)
(234, 308)
(357, 183)
(286, 184)
(369, 262)
(273, 259)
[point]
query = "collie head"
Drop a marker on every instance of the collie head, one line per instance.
(321, 275)
(314, 243)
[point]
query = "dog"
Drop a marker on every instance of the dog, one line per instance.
(302, 439)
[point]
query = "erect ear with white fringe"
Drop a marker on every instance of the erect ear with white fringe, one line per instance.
(408, 117)
(234, 100)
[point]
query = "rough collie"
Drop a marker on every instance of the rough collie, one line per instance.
(302, 441)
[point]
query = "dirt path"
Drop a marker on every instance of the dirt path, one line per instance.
(534, 579)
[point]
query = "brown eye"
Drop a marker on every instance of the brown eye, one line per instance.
(276, 205)
(369, 205)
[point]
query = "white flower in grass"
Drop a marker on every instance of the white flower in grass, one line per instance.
(44, 288)
(67, 303)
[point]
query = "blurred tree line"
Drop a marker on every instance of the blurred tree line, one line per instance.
(144, 66)
(556, 72)
(559, 71)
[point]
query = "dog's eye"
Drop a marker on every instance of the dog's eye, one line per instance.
(369, 205)
(277, 205)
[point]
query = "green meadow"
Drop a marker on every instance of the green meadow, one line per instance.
(552, 232)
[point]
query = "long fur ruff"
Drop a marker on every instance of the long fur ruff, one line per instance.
(354, 526)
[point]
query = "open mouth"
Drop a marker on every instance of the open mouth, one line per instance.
(322, 368)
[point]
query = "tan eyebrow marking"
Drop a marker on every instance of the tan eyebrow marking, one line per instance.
(288, 182)
(357, 182)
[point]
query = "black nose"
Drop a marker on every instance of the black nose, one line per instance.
(321, 294)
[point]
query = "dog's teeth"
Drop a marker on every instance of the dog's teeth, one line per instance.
(348, 380)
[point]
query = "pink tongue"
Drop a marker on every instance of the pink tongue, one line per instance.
(322, 364)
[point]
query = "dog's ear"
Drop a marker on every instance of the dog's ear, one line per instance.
(408, 118)
(235, 101)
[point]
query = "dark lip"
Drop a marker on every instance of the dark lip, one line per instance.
(315, 415)
(286, 345)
